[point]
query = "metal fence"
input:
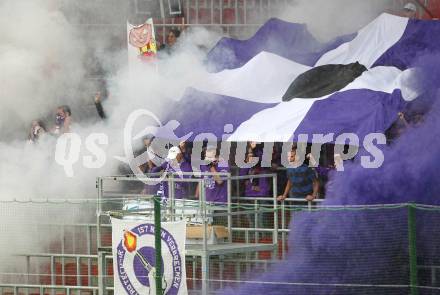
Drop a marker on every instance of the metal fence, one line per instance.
(62, 250)
(57, 248)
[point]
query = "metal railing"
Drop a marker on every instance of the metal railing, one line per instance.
(242, 264)
(232, 210)
(239, 18)
(42, 289)
(208, 212)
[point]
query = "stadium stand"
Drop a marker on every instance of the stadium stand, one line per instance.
(74, 261)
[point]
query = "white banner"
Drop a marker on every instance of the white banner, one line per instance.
(135, 259)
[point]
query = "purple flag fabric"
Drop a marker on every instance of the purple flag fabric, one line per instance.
(419, 39)
(289, 40)
(201, 112)
(359, 111)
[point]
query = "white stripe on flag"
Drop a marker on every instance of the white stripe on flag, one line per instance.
(384, 79)
(265, 79)
(370, 44)
(275, 124)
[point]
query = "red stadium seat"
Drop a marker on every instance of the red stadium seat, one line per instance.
(191, 18)
(45, 274)
(189, 271)
(434, 8)
(267, 254)
(95, 269)
(106, 240)
(46, 277)
(70, 274)
(204, 16)
(178, 20)
(229, 272)
(229, 16)
(110, 269)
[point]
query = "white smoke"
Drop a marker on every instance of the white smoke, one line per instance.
(43, 65)
(328, 19)
(40, 61)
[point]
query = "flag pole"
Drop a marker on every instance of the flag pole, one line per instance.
(158, 245)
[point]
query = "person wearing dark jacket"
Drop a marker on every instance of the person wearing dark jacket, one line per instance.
(98, 105)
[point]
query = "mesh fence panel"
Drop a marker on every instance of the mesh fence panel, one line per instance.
(334, 251)
(428, 249)
(41, 240)
(331, 250)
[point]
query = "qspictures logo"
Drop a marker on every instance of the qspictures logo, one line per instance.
(347, 146)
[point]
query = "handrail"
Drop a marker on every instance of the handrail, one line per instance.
(31, 286)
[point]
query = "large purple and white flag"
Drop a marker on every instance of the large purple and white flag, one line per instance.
(282, 82)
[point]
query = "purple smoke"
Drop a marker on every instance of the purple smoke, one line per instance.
(369, 247)
(409, 173)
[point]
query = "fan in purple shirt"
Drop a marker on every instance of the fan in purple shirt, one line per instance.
(175, 163)
(255, 187)
(149, 189)
(216, 186)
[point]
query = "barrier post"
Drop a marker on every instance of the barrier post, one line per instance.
(158, 244)
(412, 248)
